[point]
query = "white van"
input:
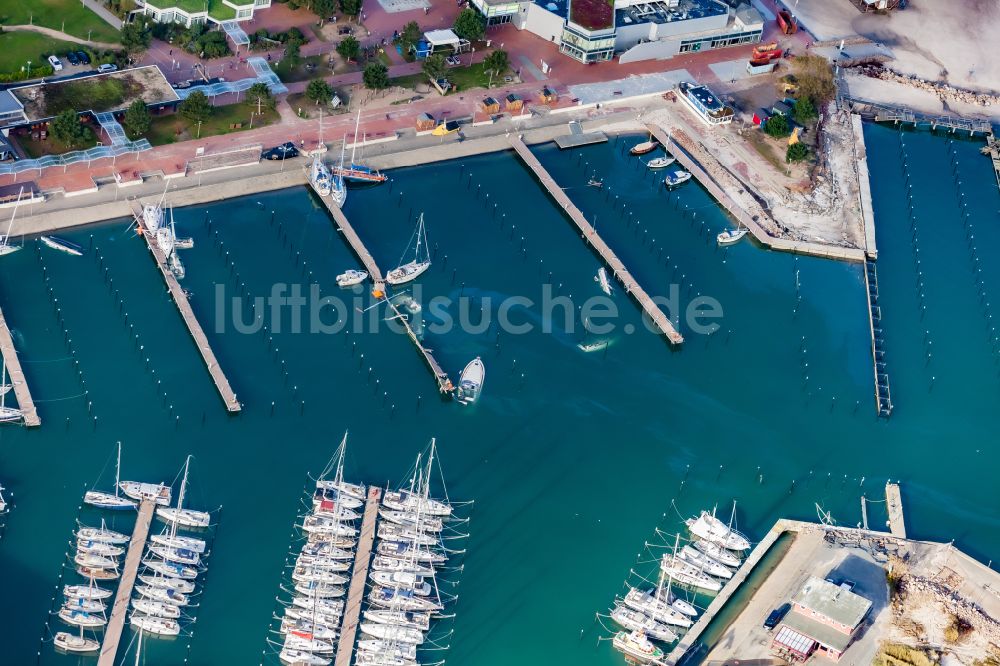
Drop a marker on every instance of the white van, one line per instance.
(56, 63)
(104, 69)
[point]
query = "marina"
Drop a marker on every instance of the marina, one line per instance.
(359, 578)
(618, 269)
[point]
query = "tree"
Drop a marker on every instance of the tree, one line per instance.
(469, 25)
(323, 8)
(796, 153)
(68, 130)
(137, 35)
(434, 66)
(804, 111)
(410, 36)
(319, 91)
(137, 119)
(375, 76)
(196, 107)
(259, 96)
(291, 53)
(350, 7)
(349, 48)
(498, 62)
(814, 78)
(777, 126)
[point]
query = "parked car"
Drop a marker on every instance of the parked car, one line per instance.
(84, 58)
(104, 69)
(56, 63)
(73, 58)
(775, 616)
(285, 151)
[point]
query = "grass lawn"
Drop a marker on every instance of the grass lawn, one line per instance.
(17, 48)
(50, 146)
(309, 109)
(464, 78)
(175, 127)
(69, 16)
(309, 68)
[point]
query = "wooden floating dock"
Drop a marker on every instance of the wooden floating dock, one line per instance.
(690, 639)
(344, 226)
(359, 579)
(24, 401)
(374, 272)
(660, 320)
(577, 137)
(684, 150)
(894, 506)
(116, 623)
(883, 400)
(197, 334)
(886, 113)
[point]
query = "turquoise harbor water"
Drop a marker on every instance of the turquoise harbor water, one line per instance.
(572, 458)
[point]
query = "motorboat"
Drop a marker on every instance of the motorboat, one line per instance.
(155, 492)
(184, 517)
(649, 603)
(704, 562)
(644, 148)
(470, 384)
(413, 269)
(602, 279)
(637, 646)
(717, 552)
(62, 245)
(731, 236)
(660, 162)
(633, 620)
(676, 178)
(351, 277)
(160, 626)
(682, 606)
(710, 528)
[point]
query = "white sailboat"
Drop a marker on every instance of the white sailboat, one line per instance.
(687, 574)
(62, 245)
(103, 500)
(393, 633)
(102, 533)
(634, 620)
(413, 269)
(707, 526)
(421, 621)
(470, 384)
(155, 625)
(7, 414)
(320, 177)
(5, 246)
(338, 186)
(179, 584)
(188, 543)
(295, 657)
(704, 562)
(654, 604)
(157, 608)
(72, 643)
(85, 592)
(81, 618)
(178, 515)
(717, 552)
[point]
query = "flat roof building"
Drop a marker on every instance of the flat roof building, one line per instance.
(824, 617)
(192, 12)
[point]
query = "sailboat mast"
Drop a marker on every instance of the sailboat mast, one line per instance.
(118, 468)
(357, 126)
(6, 239)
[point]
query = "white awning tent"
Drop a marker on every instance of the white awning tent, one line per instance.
(445, 38)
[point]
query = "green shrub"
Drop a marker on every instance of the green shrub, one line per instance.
(796, 153)
(777, 126)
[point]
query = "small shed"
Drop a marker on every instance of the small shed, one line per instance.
(761, 116)
(425, 122)
(513, 103)
(437, 39)
(547, 95)
(490, 106)
(780, 108)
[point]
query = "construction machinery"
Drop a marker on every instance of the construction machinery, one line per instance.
(787, 23)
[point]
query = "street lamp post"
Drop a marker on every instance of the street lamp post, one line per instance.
(199, 130)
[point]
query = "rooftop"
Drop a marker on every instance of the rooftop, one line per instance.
(704, 96)
(659, 11)
(592, 14)
(114, 91)
(215, 8)
(8, 103)
(823, 633)
(833, 601)
(558, 7)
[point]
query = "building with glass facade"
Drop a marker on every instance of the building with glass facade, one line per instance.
(191, 12)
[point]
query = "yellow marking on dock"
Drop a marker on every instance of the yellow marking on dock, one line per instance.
(894, 506)
(344, 226)
(359, 578)
(631, 285)
(16, 375)
(187, 314)
(119, 611)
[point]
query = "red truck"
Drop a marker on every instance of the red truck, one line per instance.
(787, 22)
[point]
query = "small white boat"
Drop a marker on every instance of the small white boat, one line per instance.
(294, 657)
(81, 618)
(704, 562)
(157, 492)
(164, 594)
(92, 606)
(712, 529)
(676, 178)
(183, 243)
(157, 608)
(171, 569)
(62, 245)
(470, 384)
(602, 279)
(636, 646)
(730, 236)
(85, 592)
(660, 162)
(155, 625)
(644, 147)
(682, 606)
(593, 182)
(392, 633)
(351, 277)
(420, 263)
(717, 552)
(178, 584)
(634, 620)
(188, 543)
(73, 643)
(101, 534)
(176, 266)
(95, 561)
(185, 517)
(102, 548)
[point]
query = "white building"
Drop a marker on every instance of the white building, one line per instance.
(594, 30)
(190, 12)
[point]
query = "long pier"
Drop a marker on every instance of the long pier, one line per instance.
(750, 215)
(445, 384)
(864, 185)
(882, 113)
(197, 333)
(116, 623)
(631, 285)
(894, 506)
(24, 401)
(883, 400)
(359, 579)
